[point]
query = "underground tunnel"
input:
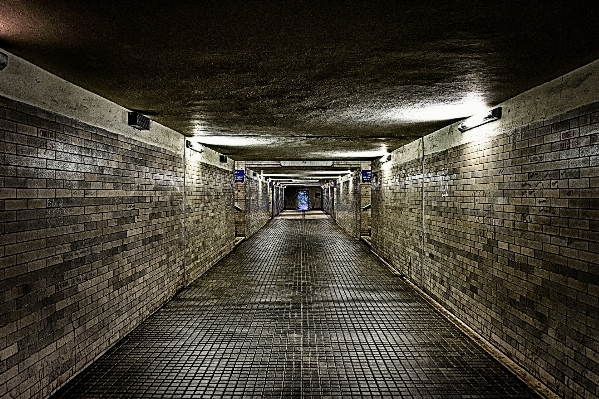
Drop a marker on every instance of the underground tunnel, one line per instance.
(299, 199)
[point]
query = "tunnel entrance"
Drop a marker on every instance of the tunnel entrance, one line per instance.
(303, 200)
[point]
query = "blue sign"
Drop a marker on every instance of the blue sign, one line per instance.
(239, 175)
(366, 176)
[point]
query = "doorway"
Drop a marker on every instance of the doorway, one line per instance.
(303, 200)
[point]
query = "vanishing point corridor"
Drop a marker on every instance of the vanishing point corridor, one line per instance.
(299, 309)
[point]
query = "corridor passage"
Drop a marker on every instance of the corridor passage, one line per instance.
(298, 310)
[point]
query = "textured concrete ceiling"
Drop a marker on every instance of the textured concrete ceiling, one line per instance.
(274, 80)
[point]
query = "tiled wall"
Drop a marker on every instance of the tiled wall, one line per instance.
(253, 197)
(278, 200)
(365, 214)
(258, 203)
(328, 199)
(511, 241)
(347, 201)
(240, 206)
(210, 221)
(92, 240)
(397, 215)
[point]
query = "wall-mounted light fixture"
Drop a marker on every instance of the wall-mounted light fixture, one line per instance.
(138, 121)
(3, 60)
(194, 146)
(480, 119)
(385, 158)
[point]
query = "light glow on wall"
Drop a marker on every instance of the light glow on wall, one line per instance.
(386, 163)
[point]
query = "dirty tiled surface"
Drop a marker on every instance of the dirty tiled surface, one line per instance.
(297, 310)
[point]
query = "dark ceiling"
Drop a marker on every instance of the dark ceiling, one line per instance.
(275, 80)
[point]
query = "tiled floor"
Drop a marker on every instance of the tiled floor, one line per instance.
(297, 310)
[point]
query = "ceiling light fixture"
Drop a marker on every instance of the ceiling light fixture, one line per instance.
(194, 146)
(480, 119)
(307, 163)
(3, 61)
(234, 141)
(317, 173)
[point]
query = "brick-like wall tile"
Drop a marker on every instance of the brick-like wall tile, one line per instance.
(210, 219)
(278, 199)
(510, 241)
(257, 203)
(347, 199)
(365, 214)
(397, 216)
(92, 226)
(328, 200)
